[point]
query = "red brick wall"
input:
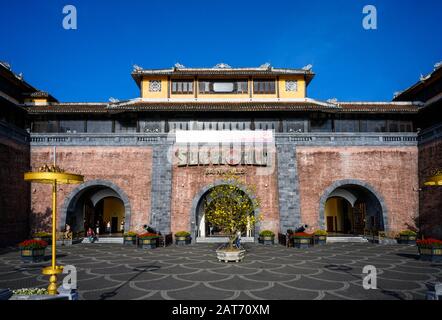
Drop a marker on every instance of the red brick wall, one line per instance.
(391, 171)
(14, 192)
(189, 181)
(430, 157)
(127, 167)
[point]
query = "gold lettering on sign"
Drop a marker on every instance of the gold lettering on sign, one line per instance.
(223, 172)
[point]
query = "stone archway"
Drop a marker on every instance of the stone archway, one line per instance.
(194, 210)
(105, 189)
(348, 189)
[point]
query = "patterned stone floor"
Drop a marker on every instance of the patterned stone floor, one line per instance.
(333, 271)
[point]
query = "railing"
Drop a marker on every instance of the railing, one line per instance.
(306, 138)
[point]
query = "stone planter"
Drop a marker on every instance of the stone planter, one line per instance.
(302, 243)
(130, 240)
(320, 240)
(234, 256)
(430, 254)
(182, 241)
(32, 255)
(267, 240)
(407, 239)
(148, 243)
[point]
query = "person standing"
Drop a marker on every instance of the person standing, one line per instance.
(108, 227)
(122, 226)
(97, 228)
(238, 239)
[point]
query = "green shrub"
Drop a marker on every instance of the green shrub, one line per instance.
(266, 233)
(407, 233)
(320, 233)
(30, 291)
(41, 234)
(182, 234)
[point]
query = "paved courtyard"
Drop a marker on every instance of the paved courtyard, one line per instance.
(334, 271)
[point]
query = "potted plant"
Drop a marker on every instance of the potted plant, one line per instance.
(302, 240)
(32, 250)
(43, 294)
(430, 249)
(267, 237)
(45, 236)
(130, 237)
(182, 238)
(148, 240)
(407, 237)
(229, 207)
(320, 237)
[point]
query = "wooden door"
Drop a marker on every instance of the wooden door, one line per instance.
(359, 218)
(330, 224)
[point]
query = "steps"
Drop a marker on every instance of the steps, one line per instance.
(346, 239)
(105, 240)
(222, 240)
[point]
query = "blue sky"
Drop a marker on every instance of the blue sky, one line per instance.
(94, 62)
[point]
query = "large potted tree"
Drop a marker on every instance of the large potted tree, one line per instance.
(230, 208)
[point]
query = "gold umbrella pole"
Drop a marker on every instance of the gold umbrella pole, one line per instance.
(54, 176)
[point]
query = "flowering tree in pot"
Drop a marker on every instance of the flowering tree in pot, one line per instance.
(229, 207)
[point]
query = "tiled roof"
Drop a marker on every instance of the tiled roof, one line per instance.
(379, 107)
(165, 106)
(69, 108)
(222, 69)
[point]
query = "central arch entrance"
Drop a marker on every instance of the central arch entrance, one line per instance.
(203, 230)
(352, 207)
(99, 205)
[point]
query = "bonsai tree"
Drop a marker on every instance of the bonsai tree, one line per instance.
(231, 209)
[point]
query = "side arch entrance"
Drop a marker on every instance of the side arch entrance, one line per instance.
(352, 207)
(96, 204)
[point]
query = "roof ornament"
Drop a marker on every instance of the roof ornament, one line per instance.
(20, 76)
(179, 66)
(437, 65)
(396, 93)
(6, 65)
(308, 67)
(222, 66)
(137, 68)
(113, 100)
(423, 78)
(266, 65)
(332, 100)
